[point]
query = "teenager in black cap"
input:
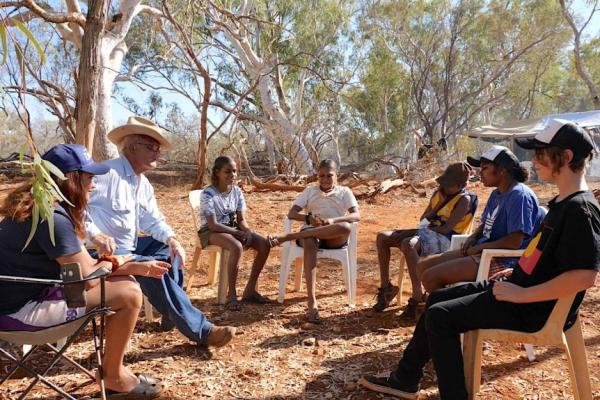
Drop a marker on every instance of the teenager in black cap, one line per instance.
(510, 217)
(563, 258)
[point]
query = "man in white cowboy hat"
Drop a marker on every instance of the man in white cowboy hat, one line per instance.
(122, 205)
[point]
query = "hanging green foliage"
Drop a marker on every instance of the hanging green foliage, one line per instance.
(4, 35)
(45, 192)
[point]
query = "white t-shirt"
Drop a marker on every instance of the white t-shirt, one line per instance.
(332, 204)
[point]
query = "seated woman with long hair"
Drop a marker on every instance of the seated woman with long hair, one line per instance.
(223, 223)
(34, 307)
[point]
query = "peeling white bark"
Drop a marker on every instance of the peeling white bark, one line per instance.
(262, 70)
(113, 51)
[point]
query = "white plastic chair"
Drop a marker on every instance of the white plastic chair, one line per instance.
(484, 271)
(551, 334)
(214, 252)
(291, 252)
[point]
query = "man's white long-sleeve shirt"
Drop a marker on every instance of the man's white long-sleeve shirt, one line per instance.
(122, 204)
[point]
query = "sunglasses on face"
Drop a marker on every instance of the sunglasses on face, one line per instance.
(153, 147)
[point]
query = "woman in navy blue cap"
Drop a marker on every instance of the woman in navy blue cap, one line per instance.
(34, 307)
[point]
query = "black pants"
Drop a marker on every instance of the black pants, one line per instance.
(450, 312)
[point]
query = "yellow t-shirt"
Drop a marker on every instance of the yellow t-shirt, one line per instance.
(444, 213)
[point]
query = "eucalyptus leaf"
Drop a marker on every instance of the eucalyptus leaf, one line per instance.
(4, 42)
(20, 60)
(31, 38)
(35, 217)
(54, 169)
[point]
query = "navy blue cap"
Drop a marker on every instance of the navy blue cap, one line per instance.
(74, 157)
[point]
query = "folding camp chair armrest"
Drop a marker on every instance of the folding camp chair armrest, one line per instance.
(100, 273)
(23, 279)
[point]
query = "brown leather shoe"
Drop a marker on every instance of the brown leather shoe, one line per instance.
(219, 336)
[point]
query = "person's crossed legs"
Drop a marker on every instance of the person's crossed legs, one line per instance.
(327, 236)
(450, 312)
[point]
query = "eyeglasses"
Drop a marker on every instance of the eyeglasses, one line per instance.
(155, 148)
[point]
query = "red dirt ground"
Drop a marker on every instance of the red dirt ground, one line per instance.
(272, 357)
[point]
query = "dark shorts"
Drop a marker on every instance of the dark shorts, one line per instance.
(204, 234)
(322, 244)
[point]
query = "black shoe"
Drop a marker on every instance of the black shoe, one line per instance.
(413, 310)
(410, 311)
(166, 325)
(385, 296)
(383, 385)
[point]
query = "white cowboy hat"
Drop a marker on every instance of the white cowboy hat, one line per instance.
(138, 126)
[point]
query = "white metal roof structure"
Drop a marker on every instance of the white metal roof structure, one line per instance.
(529, 127)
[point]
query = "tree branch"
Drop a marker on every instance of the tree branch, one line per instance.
(58, 18)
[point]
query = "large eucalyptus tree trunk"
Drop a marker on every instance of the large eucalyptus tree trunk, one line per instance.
(90, 70)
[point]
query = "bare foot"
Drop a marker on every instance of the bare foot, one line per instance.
(274, 241)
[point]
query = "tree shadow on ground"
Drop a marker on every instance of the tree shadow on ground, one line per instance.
(341, 378)
(252, 313)
(496, 371)
(340, 326)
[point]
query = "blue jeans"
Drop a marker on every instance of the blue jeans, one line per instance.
(167, 294)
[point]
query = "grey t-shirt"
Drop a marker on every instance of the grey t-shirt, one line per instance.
(221, 205)
(37, 260)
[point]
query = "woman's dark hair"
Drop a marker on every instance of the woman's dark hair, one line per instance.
(557, 158)
(18, 205)
(520, 173)
(220, 162)
(328, 163)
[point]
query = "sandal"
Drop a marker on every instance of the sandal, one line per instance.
(312, 316)
(256, 298)
(148, 379)
(142, 391)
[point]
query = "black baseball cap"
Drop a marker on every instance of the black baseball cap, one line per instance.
(498, 155)
(74, 157)
(562, 134)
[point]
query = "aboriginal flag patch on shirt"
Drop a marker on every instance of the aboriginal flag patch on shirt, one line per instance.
(535, 249)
